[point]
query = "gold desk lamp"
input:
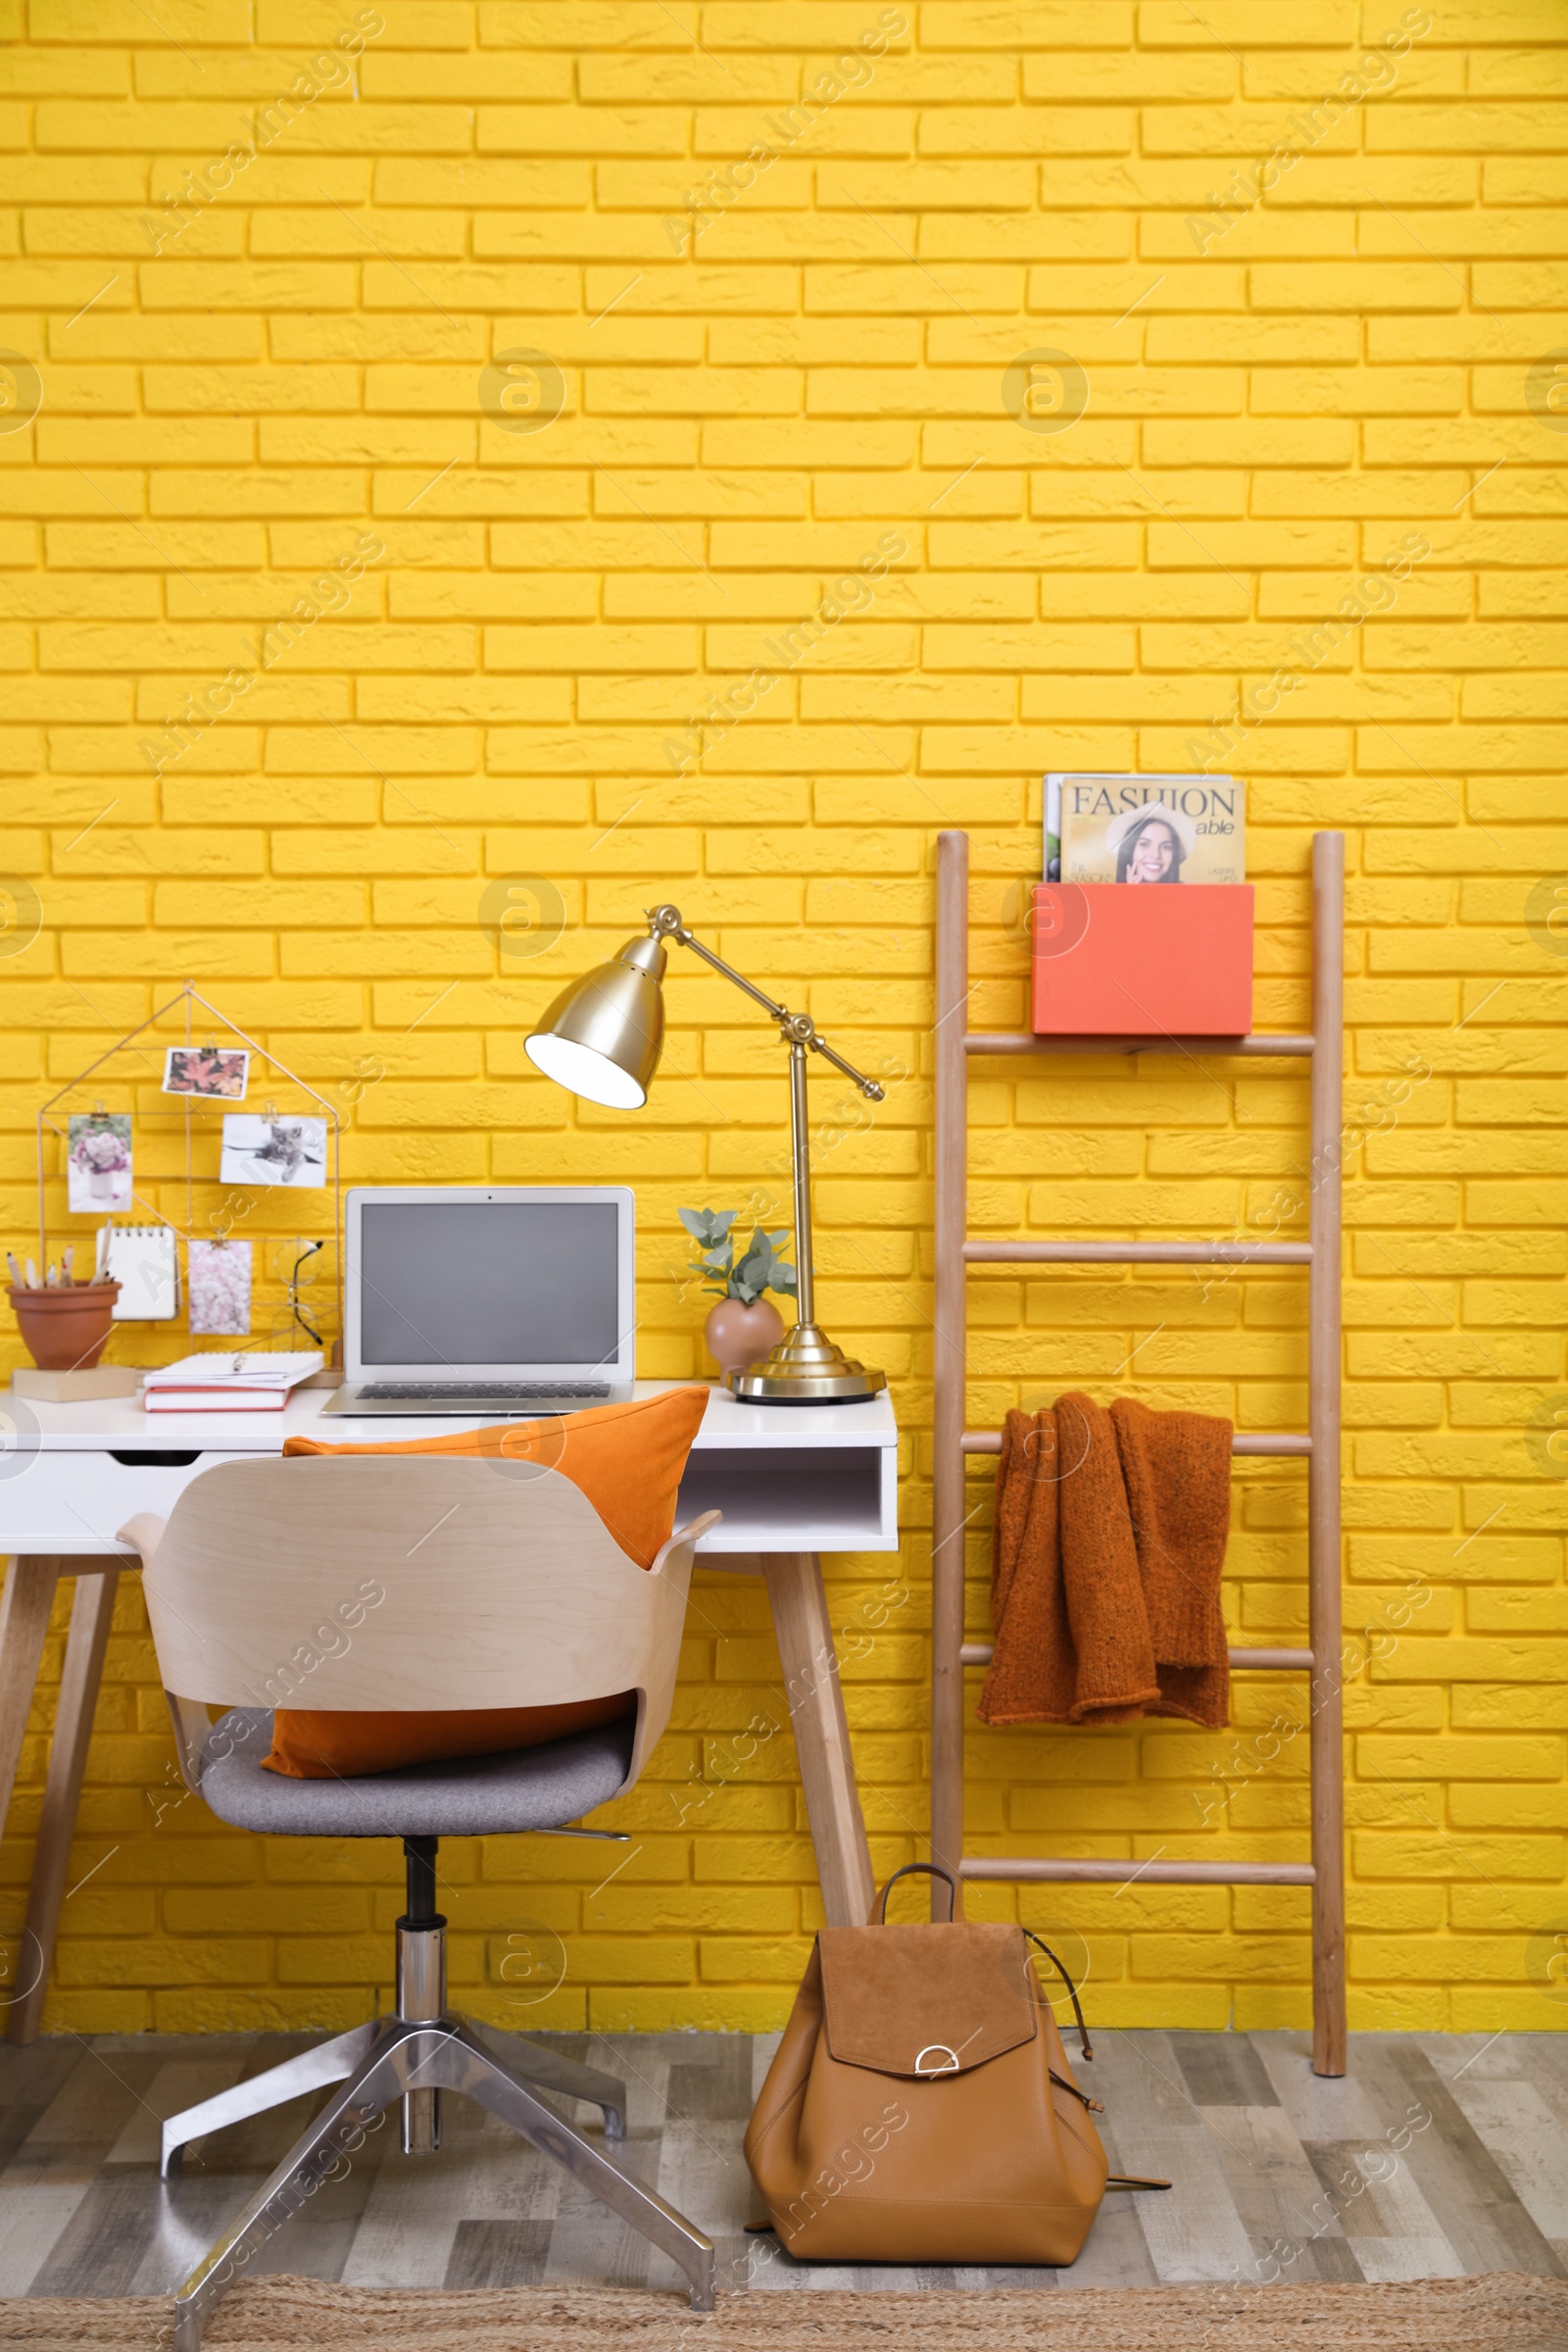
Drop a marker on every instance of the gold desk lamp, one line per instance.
(601, 1039)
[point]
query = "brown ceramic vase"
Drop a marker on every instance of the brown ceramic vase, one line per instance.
(738, 1335)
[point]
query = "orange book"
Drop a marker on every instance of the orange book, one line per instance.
(214, 1400)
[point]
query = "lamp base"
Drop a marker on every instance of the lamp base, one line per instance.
(806, 1367)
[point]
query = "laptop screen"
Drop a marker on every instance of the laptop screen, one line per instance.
(510, 1283)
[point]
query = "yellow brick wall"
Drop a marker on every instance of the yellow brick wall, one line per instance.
(1280, 390)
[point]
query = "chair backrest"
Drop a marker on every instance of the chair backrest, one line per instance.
(408, 1582)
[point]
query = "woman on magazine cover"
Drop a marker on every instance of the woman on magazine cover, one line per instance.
(1151, 844)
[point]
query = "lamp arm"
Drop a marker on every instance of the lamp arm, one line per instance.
(683, 938)
(796, 1028)
(868, 1086)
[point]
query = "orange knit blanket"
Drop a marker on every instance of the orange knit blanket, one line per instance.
(1109, 1542)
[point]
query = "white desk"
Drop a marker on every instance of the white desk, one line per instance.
(792, 1481)
(787, 1478)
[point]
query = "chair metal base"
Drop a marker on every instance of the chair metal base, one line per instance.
(381, 2063)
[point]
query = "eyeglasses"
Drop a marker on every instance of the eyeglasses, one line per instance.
(295, 1266)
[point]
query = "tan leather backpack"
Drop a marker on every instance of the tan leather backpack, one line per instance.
(920, 2107)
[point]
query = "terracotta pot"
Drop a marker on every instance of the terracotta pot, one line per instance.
(65, 1330)
(736, 1333)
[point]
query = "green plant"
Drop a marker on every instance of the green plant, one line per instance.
(746, 1278)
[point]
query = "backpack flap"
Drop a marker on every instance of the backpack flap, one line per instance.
(927, 1999)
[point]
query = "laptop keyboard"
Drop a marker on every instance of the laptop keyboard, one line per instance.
(480, 1391)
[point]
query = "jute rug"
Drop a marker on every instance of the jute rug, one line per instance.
(1504, 2312)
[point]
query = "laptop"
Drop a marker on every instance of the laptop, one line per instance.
(509, 1303)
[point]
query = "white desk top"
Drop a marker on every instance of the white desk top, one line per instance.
(787, 1478)
(116, 1424)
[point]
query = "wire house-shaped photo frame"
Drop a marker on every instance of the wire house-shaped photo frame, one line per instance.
(213, 1205)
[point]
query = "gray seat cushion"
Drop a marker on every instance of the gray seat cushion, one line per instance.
(471, 1797)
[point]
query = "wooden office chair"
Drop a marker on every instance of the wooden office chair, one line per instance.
(502, 1587)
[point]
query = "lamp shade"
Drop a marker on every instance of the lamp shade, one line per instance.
(603, 1035)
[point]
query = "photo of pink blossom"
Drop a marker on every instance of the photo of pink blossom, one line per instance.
(221, 1288)
(98, 1162)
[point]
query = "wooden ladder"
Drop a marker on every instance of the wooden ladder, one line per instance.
(956, 1250)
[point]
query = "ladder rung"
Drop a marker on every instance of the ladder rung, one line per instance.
(1138, 1253)
(1024, 1040)
(989, 1441)
(1242, 1662)
(1162, 1874)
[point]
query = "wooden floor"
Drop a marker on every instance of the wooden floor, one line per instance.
(1434, 2157)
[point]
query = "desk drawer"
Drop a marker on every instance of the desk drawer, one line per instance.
(72, 1502)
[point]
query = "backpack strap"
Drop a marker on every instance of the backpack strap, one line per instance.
(930, 1870)
(1090, 2106)
(1072, 1989)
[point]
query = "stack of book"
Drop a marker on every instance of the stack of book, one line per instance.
(220, 1382)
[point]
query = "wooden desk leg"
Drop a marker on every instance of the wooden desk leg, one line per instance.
(805, 1635)
(23, 1623)
(91, 1614)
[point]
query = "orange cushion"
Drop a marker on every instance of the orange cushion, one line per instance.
(628, 1459)
(312, 1744)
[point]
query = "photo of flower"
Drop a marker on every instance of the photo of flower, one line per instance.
(205, 1070)
(98, 1162)
(221, 1288)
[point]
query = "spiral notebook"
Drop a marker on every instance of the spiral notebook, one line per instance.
(217, 1382)
(144, 1260)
